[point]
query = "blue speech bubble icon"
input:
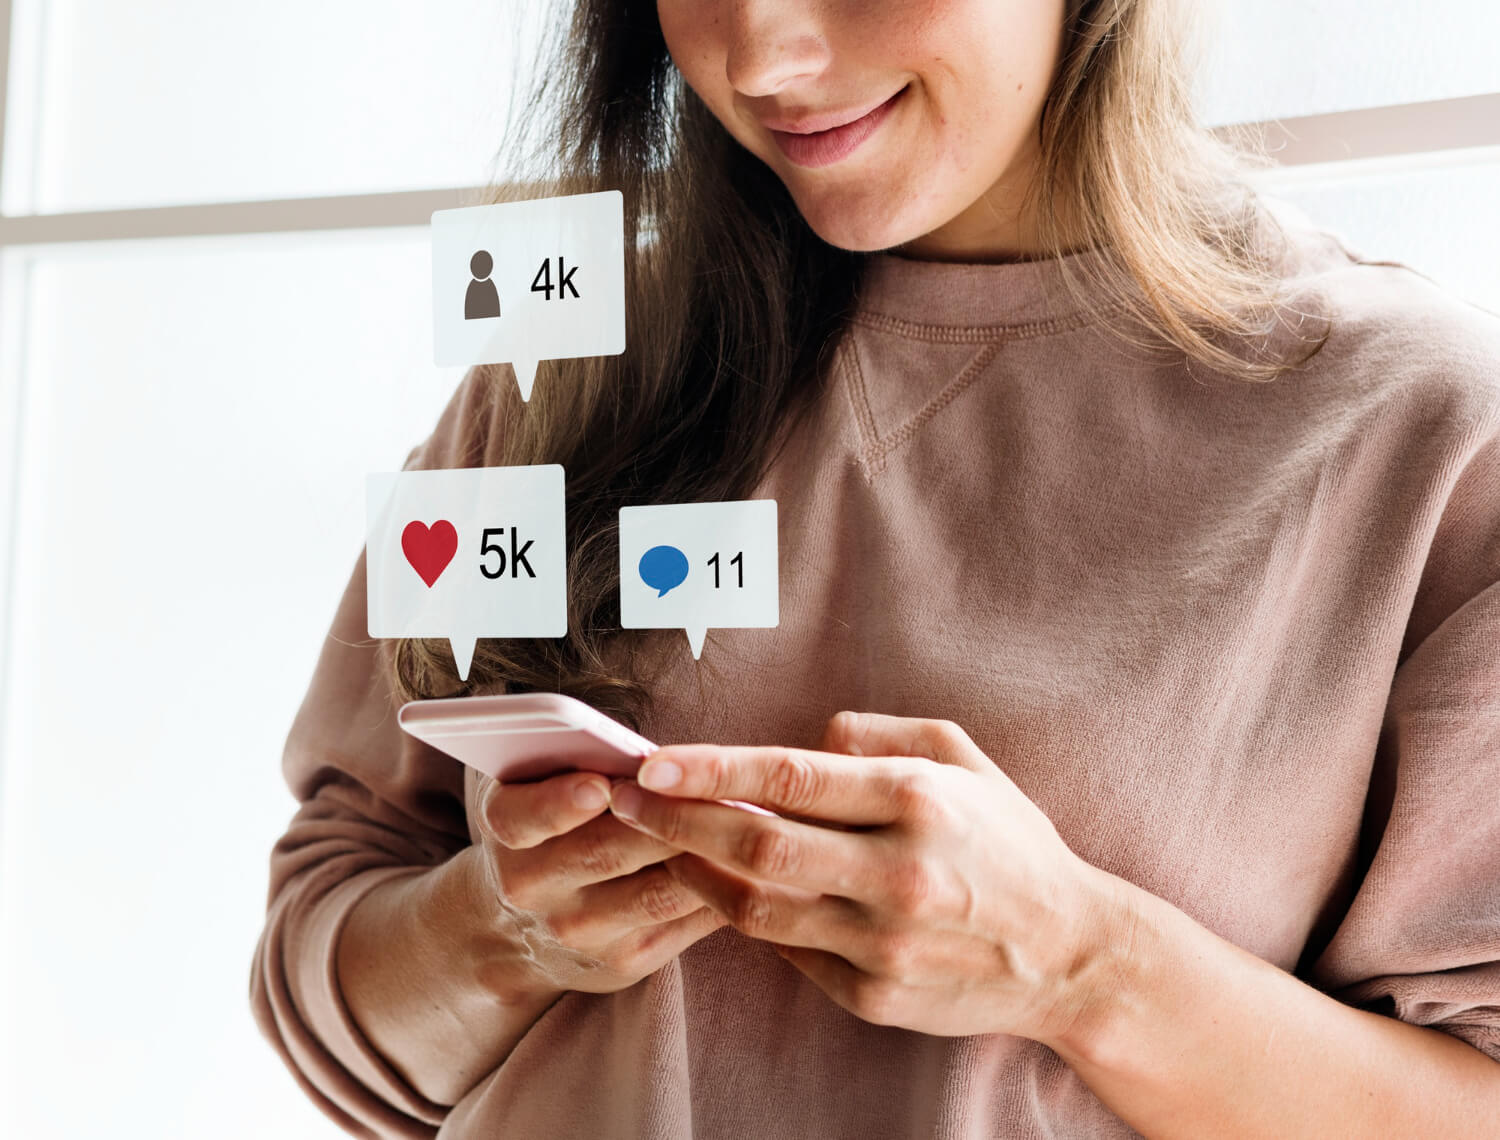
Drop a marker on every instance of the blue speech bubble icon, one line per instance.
(663, 568)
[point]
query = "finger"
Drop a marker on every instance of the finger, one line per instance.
(655, 946)
(603, 911)
(874, 734)
(597, 851)
(776, 913)
(790, 780)
(877, 1000)
(764, 847)
(521, 815)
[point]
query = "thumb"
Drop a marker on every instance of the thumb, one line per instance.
(875, 734)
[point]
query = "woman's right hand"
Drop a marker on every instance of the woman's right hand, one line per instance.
(577, 900)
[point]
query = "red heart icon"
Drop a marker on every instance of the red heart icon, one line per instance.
(429, 551)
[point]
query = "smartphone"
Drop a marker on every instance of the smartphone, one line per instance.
(526, 736)
(529, 736)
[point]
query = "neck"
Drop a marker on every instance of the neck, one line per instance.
(999, 227)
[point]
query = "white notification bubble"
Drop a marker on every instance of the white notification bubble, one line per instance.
(520, 282)
(699, 566)
(464, 554)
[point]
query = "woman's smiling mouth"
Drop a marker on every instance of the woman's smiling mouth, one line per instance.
(832, 144)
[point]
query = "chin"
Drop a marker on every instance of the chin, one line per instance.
(863, 223)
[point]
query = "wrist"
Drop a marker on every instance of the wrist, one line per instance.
(482, 936)
(1100, 975)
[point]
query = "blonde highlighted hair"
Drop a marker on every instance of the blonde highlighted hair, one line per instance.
(734, 305)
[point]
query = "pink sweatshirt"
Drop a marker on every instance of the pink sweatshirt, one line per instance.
(1240, 642)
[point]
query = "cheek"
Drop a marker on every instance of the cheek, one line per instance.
(982, 111)
(999, 55)
(691, 30)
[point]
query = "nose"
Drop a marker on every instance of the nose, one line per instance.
(772, 44)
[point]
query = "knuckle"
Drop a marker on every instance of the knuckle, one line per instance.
(567, 928)
(846, 720)
(768, 852)
(717, 774)
(913, 884)
(893, 955)
(641, 953)
(795, 782)
(949, 735)
(914, 792)
(660, 899)
(845, 725)
(750, 912)
(597, 855)
(874, 999)
(634, 957)
(648, 951)
(622, 960)
(667, 824)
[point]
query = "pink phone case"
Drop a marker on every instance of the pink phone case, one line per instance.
(526, 736)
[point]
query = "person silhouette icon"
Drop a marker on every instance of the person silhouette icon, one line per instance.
(483, 299)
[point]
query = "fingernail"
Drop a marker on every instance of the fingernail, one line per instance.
(626, 801)
(659, 774)
(591, 795)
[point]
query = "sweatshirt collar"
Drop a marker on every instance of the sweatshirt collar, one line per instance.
(1000, 295)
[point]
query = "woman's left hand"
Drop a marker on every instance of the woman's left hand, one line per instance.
(935, 896)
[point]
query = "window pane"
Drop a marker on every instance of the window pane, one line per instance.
(1436, 220)
(168, 101)
(1282, 58)
(199, 420)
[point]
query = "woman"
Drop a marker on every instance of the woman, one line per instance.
(1160, 536)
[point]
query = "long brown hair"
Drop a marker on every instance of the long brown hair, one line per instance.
(733, 303)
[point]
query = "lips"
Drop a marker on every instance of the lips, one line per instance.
(825, 147)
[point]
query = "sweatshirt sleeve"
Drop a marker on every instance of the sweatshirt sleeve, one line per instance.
(1421, 938)
(374, 804)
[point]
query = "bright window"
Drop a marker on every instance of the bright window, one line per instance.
(155, 102)
(1275, 59)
